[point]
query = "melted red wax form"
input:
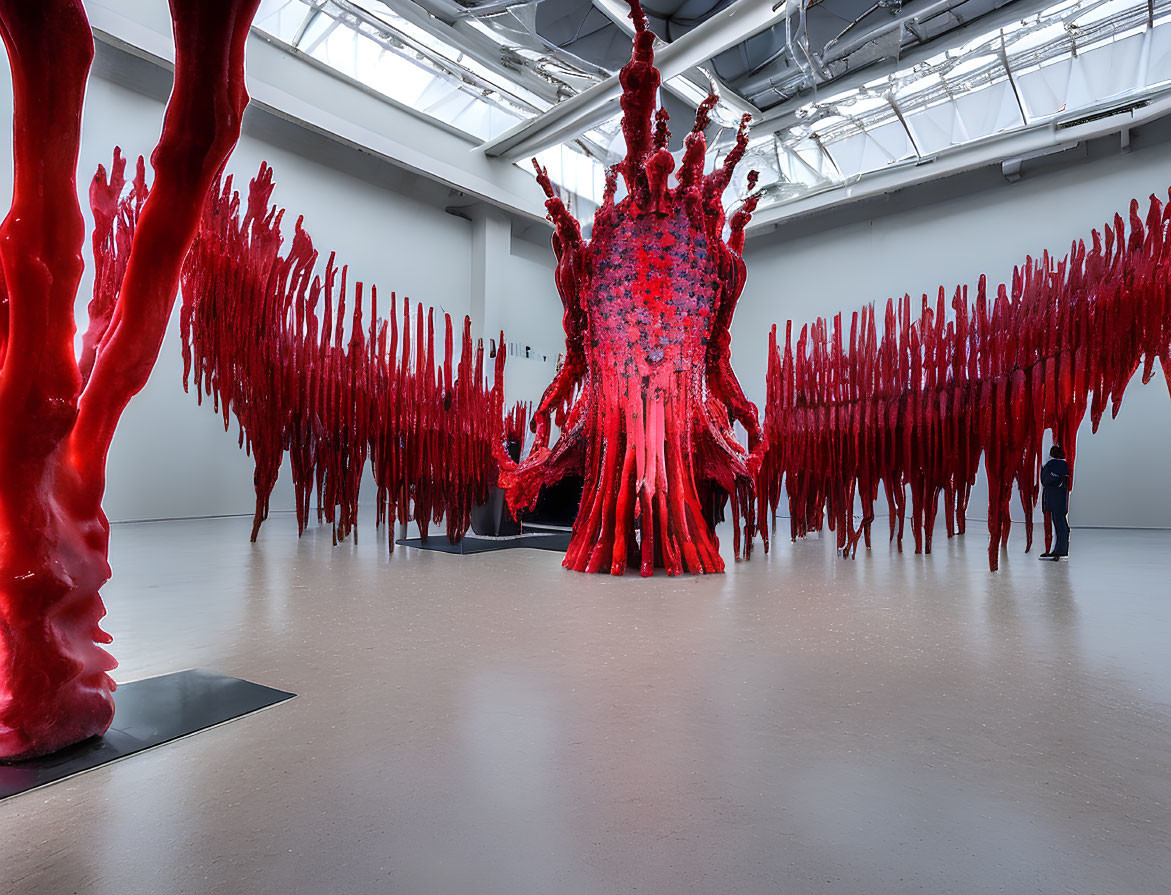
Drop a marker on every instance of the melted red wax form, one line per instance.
(309, 368)
(646, 396)
(919, 406)
(516, 423)
(59, 414)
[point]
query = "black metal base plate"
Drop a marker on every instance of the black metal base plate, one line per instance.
(147, 713)
(558, 542)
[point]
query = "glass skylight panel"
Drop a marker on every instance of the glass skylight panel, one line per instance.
(938, 127)
(806, 165)
(377, 47)
(488, 71)
(514, 27)
(605, 141)
(1041, 37)
(1159, 64)
(1107, 9)
(861, 103)
(482, 74)
(282, 18)
(1074, 55)
(928, 81)
(969, 65)
(576, 174)
(316, 29)
(991, 110)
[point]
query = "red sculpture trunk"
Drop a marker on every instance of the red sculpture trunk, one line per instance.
(58, 415)
(648, 302)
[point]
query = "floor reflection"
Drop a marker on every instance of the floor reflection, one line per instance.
(494, 723)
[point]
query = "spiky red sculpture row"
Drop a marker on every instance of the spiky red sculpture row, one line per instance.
(917, 407)
(648, 302)
(271, 341)
(58, 414)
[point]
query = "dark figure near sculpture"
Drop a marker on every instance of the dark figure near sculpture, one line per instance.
(1055, 500)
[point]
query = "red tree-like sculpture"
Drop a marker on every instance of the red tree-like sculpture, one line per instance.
(267, 338)
(648, 303)
(59, 416)
(920, 406)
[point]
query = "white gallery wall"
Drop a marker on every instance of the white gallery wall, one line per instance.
(513, 292)
(813, 269)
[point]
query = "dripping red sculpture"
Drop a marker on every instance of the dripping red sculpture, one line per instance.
(59, 415)
(270, 340)
(646, 394)
(918, 407)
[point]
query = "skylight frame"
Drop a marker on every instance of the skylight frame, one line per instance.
(916, 114)
(960, 75)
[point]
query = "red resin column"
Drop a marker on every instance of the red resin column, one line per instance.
(648, 302)
(57, 426)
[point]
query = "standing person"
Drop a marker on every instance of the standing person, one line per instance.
(1055, 481)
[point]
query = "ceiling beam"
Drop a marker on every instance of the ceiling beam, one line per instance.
(618, 12)
(569, 118)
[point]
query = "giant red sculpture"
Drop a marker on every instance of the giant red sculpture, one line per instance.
(646, 392)
(269, 338)
(59, 416)
(918, 406)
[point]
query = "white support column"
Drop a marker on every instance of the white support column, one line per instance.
(515, 293)
(491, 249)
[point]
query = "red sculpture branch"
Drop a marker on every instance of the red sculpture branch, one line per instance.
(648, 303)
(516, 423)
(60, 416)
(918, 407)
(271, 341)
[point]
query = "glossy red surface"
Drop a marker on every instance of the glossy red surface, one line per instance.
(516, 423)
(288, 351)
(646, 396)
(60, 413)
(917, 407)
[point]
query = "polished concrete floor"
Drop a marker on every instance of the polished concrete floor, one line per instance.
(495, 724)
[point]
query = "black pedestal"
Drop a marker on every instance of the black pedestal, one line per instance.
(558, 542)
(147, 713)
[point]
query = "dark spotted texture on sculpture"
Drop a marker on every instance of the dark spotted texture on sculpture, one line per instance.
(646, 393)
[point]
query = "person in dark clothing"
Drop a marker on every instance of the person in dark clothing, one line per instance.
(1055, 481)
